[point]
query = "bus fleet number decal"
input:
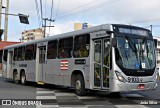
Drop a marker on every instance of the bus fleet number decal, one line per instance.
(134, 79)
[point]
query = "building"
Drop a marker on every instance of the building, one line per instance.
(2, 45)
(79, 26)
(33, 34)
(157, 50)
(157, 47)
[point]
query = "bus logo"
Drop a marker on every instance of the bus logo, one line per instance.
(64, 65)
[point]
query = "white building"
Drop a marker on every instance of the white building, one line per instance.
(33, 34)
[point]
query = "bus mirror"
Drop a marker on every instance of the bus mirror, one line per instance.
(109, 32)
(114, 42)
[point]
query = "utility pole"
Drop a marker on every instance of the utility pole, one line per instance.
(0, 12)
(151, 28)
(45, 21)
(6, 21)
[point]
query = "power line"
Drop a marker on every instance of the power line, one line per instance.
(57, 10)
(37, 9)
(51, 14)
(88, 9)
(45, 8)
(41, 10)
(63, 13)
(147, 20)
(52, 9)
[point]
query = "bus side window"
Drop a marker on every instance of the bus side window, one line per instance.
(5, 55)
(65, 48)
(35, 49)
(21, 53)
(52, 49)
(15, 54)
(81, 46)
(29, 52)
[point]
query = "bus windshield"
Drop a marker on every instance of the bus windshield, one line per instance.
(135, 53)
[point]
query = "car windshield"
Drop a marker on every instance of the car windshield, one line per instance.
(133, 53)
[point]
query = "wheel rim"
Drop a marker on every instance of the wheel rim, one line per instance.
(23, 79)
(78, 85)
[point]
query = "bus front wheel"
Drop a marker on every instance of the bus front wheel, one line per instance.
(80, 86)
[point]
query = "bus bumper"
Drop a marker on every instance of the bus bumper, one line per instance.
(120, 86)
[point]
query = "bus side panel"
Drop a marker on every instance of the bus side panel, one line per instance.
(52, 72)
(30, 70)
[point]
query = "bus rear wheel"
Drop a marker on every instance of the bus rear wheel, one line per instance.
(23, 78)
(80, 86)
(15, 77)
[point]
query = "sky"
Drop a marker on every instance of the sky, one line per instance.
(141, 13)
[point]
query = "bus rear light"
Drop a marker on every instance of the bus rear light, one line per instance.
(141, 86)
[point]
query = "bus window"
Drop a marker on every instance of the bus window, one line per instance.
(5, 55)
(21, 53)
(29, 52)
(65, 48)
(35, 48)
(15, 54)
(52, 49)
(81, 46)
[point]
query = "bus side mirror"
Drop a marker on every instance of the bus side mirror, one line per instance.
(114, 42)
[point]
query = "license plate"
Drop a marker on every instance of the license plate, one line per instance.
(135, 79)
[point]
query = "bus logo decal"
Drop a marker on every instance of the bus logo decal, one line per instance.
(64, 65)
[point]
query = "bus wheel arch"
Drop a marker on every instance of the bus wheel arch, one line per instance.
(22, 77)
(78, 82)
(15, 76)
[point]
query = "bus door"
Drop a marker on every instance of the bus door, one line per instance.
(101, 63)
(10, 62)
(42, 59)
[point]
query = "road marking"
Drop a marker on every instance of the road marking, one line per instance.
(45, 97)
(43, 92)
(48, 106)
(131, 106)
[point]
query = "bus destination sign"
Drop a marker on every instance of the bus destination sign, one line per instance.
(133, 31)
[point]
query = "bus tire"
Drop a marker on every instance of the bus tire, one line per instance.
(15, 77)
(79, 85)
(23, 78)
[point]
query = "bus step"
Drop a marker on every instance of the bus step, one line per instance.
(40, 82)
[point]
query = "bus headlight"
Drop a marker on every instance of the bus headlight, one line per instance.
(120, 77)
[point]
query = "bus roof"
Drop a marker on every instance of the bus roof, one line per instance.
(68, 34)
(64, 35)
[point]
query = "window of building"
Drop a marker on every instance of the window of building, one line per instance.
(29, 52)
(81, 46)
(5, 54)
(52, 49)
(15, 54)
(65, 47)
(21, 53)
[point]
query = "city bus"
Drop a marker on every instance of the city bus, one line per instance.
(108, 57)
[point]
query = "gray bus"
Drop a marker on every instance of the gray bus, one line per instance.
(109, 57)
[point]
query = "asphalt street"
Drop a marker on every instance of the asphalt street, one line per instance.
(49, 96)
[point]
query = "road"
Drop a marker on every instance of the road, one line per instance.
(50, 96)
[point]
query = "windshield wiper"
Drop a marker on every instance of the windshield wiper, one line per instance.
(131, 44)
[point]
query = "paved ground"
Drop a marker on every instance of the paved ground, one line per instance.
(59, 97)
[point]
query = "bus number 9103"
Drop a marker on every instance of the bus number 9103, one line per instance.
(133, 79)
